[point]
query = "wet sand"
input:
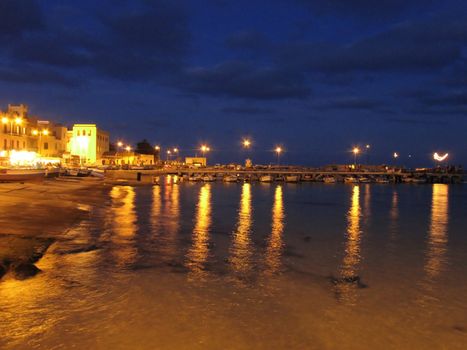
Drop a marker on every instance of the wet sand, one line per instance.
(34, 215)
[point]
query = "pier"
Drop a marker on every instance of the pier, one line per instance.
(299, 174)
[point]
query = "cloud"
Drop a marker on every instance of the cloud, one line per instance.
(36, 75)
(146, 41)
(353, 103)
(18, 17)
(416, 122)
(411, 46)
(452, 100)
(244, 80)
(364, 9)
(248, 40)
(247, 110)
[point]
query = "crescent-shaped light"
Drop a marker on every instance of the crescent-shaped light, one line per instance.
(439, 158)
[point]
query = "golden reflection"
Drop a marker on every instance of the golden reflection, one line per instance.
(124, 223)
(346, 283)
(437, 239)
(242, 249)
(198, 254)
(156, 210)
(275, 244)
(171, 219)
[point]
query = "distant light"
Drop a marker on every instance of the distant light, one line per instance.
(169, 152)
(367, 146)
(4, 120)
(356, 150)
(175, 150)
(395, 155)
(157, 148)
(246, 143)
(119, 143)
(45, 132)
(439, 158)
(18, 120)
(128, 148)
(278, 149)
(35, 132)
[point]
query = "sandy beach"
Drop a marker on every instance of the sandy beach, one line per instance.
(34, 215)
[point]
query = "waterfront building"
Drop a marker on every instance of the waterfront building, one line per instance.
(128, 158)
(88, 142)
(20, 132)
(196, 161)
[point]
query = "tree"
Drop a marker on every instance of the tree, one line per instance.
(144, 147)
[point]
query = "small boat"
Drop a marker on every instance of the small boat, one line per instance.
(71, 172)
(195, 177)
(52, 172)
(291, 178)
(419, 180)
(364, 180)
(230, 178)
(329, 180)
(97, 173)
(83, 172)
(208, 178)
(307, 178)
(406, 179)
(350, 179)
(21, 175)
(265, 178)
(382, 180)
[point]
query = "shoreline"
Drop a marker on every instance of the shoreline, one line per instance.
(35, 215)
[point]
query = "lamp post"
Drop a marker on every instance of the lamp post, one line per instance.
(39, 133)
(278, 151)
(367, 147)
(355, 152)
(168, 154)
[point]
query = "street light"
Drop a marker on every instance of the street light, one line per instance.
(204, 149)
(168, 154)
(128, 148)
(119, 144)
(246, 143)
(157, 148)
(36, 132)
(278, 151)
(355, 152)
(368, 153)
(395, 155)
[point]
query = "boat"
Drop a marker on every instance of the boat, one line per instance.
(230, 178)
(97, 173)
(265, 178)
(208, 178)
(329, 180)
(364, 180)
(52, 172)
(382, 180)
(194, 177)
(419, 180)
(291, 178)
(350, 179)
(307, 178)
(21, 175)
(83, 172)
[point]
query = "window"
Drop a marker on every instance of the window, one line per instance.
(17, 144)
(4, 128)
(46, 145)
(24, 144)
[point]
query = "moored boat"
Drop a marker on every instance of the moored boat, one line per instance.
(364, 180)
(291, 178)
(21, 175)
(350, 179)
(329, 180)
(208, 178)
(382, 180)
(230, 178)
(265, 178)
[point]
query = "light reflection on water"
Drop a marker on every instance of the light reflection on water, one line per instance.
(242, 249)
(275, 242)
(78, 297)
(198, 253)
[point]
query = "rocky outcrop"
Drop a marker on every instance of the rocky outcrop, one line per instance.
(23, 270)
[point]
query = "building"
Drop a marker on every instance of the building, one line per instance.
(128, 158)
(21, 132)
(196, 161)
(88, 142)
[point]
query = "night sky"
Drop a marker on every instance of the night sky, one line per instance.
(316, 76)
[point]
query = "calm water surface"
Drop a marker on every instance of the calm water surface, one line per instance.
(262, 266)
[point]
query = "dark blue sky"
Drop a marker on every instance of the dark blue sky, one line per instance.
(315, 76)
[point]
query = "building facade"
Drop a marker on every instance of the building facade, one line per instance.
(88, 142)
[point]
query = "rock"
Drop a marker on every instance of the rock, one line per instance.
(23, 270)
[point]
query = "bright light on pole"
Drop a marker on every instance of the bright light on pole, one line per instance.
(355, 152)
(278, 151)
(246, 143)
